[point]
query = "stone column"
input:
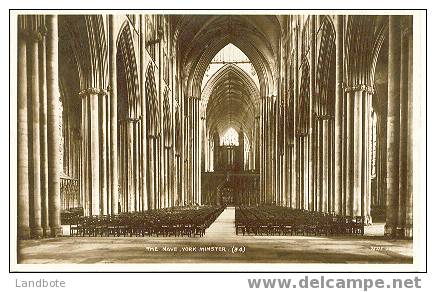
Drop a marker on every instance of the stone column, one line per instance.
(365, 170)
(403, 147)
(377, 199)
(130, 166)
(256, 145)
(159, 169)
(103, 153)
(198, 153)
(305, 195)
(35, 210)
(90, 96)
(196, 147)
(191, 156)
(261, 151)
(151, 179)
(194, 150)
(269, 154)
(85, 161)
(393, 123)
(325, 165)
(295, 142)
(53, 126)
(300, 171)
(95, 152)
(266, 151)
(408, 228)
(113, 116)
(273, 153)
(310, 150)
(23, 231)
(136, 144)
(144, 160)
(357, 152)
(293, 189)
(182, 152)
(186, 152)
(331, 163)
(43, 132)
(349, 157)
(318, 166)
(108, 146)
(266, 146)
(296, 167)
(189, 153)
(178, 179)
(203, 143)
(316, 201)
(277, 156)
(338, 187)
(165, 188)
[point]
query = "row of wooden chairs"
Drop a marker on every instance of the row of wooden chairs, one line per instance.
(275, 220)
(71, 215)
(192, 221)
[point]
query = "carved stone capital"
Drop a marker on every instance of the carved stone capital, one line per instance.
(359, 87)
(43, 30)
(321, 117)
(129, 120)
(34, 36)
(89, 91)
(327, 117)
(93, 91)
(132, 120)
(103, 92)
(195, 98)
(301, 135)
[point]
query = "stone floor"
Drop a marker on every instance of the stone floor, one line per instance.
(219, 245)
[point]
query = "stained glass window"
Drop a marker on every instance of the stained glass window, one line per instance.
(230, 138)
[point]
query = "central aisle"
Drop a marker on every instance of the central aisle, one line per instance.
(224, 225)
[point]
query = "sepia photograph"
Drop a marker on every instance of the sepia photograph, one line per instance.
(238, 140)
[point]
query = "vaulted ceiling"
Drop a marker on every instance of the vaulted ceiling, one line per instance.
(230, 99)
(200, 37)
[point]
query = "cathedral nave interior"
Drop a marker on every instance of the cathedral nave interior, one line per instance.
(185, 117)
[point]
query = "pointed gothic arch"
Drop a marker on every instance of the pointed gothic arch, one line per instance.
(153, 113)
